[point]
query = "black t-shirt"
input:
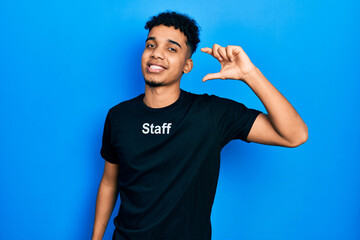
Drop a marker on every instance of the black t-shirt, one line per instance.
(169, 162)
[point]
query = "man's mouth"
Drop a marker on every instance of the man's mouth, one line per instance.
(153, 68)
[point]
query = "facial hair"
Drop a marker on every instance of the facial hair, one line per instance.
(154, 84)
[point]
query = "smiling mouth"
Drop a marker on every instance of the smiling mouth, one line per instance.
(155, 68)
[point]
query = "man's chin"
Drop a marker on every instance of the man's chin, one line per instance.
(153, 84)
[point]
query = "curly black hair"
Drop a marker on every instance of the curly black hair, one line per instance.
(184, 23)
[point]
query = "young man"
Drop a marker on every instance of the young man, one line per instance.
(162, 148)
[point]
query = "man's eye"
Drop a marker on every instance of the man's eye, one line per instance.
(150, 45)
(172, 49)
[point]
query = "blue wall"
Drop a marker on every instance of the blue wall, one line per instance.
(63, 64)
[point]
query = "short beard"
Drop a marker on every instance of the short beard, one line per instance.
(153, 84)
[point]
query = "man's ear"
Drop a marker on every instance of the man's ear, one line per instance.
(188, 65)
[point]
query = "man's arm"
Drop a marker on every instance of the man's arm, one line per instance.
(282, 125)
(106, 199)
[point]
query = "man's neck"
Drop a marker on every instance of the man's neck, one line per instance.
(160, 97)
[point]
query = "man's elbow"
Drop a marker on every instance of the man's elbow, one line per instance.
(300, 139)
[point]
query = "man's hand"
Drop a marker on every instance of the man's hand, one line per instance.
(235, 64)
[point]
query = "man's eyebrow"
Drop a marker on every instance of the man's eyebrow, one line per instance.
(150, 38)
(169, 40)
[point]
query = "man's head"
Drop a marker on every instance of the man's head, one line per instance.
(171, 41)
(184, 23)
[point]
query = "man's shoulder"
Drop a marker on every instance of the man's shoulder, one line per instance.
(218, 105)
(127, 104)
(198, 96)
(210, 98)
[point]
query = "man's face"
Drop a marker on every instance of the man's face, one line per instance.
(166, 56)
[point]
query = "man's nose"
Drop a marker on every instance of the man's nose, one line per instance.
(157, 53)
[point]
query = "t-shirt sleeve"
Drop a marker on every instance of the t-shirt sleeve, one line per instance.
(232, 120)
(107, 150)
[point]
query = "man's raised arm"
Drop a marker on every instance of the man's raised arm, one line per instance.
(282, 126)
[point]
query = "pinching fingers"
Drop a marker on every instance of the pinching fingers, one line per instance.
(223, 54)
(229, 52)
(216, 53)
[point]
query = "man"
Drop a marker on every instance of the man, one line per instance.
(162, 148)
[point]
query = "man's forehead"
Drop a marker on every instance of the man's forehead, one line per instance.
(162, 32)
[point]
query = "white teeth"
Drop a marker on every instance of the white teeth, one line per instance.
(155, 67)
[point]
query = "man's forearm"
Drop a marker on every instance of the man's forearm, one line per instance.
(105, 202)
(282, 115)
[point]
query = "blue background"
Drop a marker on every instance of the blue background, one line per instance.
(63, 64)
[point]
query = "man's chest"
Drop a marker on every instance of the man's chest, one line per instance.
(161, 137)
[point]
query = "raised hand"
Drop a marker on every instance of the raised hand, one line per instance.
(235, 64)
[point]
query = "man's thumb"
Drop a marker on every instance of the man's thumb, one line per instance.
(213, 76)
